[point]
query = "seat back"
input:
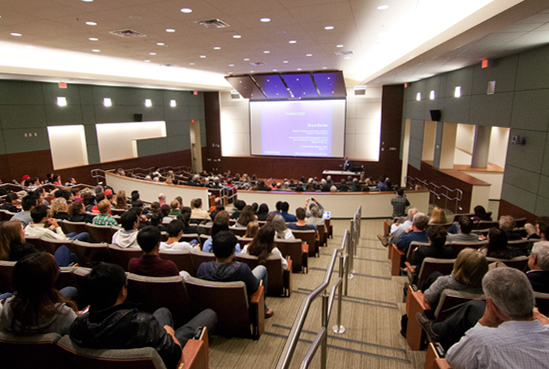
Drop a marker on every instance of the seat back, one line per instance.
(203, 238)
(205, 229)
(458, 246)
(321, 235)
(51, 245)
(468, 215)
(189, 237)
(411, 249)
(88, 254)
(238, 231)
(519, 262)
(36, 242)
(156, 292)
(450, 300)
(68, 226)
(200, 257)
(122, 256)
(85, 358)
(182, 259)
(485, 225)
(274, 271)
(66, 278)
(524, 246)
(228, 299)
(309, 237)
(293, 249)
(99, 233)
(431, 265)
(29, 352)
(118, 211)
(5, 215)
(6, 272)
(520, 222)
(542, 302)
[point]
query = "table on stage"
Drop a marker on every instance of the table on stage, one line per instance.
(338, 175)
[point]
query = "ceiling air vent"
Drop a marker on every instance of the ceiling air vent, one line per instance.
(340, 53)
(127, 33)
(217, 23)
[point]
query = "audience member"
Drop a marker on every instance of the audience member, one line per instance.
(120, 200)
(497, 245)
(263, 246)
(481, 214)
(437, 249)
(150, 264)
(538, 262)
(173, 244)
(301, 225)
(281, 229)
(284, 213)
(27, 203)
(239, 205)
(314, 212)
(251, 230)
(400, 203)
(262, 212)
(44, 226)
(175, 208)
(247, 215)
(11, 203)
(59, 209)
(198, 212)
(464, 235)
(507, 224)
(104, 218)
(415, 233)
(127, 236)
(77, 213)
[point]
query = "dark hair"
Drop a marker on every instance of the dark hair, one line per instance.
(38, 213)
(34, 278)
(148, 237)
(481, 213)
(255, 206)
(246, 216)
(103, 285)
(219, 225)
(155, 206)
(175, 227)
(239, 204)
(186, 210)
(75, 208)
(497, 244)
(10, 197)
(465, 224)
(263, 209)
(543, 223)
(165, 210)
(400, 192)
(128, 219)
(88, 199)
(278, 205)
(300, 213)
(284, 207)
(197, 202)
(28, 202)
(263, 243)
(223, 244)
(437, 235)
(135, 195)
(155, 219)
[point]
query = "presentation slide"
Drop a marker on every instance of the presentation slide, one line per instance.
(309, 128)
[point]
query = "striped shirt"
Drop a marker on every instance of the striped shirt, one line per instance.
(104, 219)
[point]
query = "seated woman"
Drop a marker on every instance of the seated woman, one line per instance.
(438, 249)
(281, 229)
(37, 307)
(497, 245)
(262, 212)
(481, 214)
(251, 230)
(469, 269)
(438, 216)
(246, 216)
(263, 247)
(120, 200)
(13, 245)
(78, 213)
(59, 209)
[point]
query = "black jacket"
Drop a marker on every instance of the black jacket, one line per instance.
(18, 250)
(87, 218)
(124, 327)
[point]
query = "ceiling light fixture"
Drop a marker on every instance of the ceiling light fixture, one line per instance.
(340, 45)
(173, 103)
(266, 52)
(292, 41)
(61, 101)
(237, 36)
(329, 28)
(107, 101)
(170, 30)
(186, 10)
(265, 20)
(383, 7)
(298, 68)
(148, 103)
(203, 56)
(217, 47)
(93, 39)
(324, 67)
(309, 55)
(285, 62)
(246, 59)
(152, 53)
(275, 70)
(87, 1)
(90, 23)
(96, 50)
(191, 63)
(160, 44)
(16, 34)
(231, 65)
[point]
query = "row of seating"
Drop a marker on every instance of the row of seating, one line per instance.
(51, 351)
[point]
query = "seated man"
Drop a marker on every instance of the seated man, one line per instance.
(464, 235)
(175, 232)
(104, 218)
(415, 233)
(301, 225)
(507, 224)
(44, 226)
(175, 208)
(539, 267)
(127, 236)
(508, 335)
(111, 323)
(149, 263)
(27, 203)
(284, 212)
(399, 230)
(225, 269)
(198, 212)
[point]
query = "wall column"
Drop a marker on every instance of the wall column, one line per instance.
(481, 146)
(445, 145)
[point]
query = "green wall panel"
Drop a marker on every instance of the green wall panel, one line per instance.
(532, 70)
(526, 180)
(518, 197)
(491, 110)
(503, 71)
(23, 116)
(63, 115)
(531, 110)
(20, 93)
(93, 154)
(16, 141)
(529, 156)
(456, 110)
(152, 146)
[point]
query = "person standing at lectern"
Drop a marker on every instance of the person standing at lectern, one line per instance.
(346, 164)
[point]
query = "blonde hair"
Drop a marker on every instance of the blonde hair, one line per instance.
(438, 216)
(57, 205)
(470, 267)
(251, 230)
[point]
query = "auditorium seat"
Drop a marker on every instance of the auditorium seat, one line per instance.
(100, 233)
(189, 237)
(542, 302)
(458, 246)
(468, 215)
(89, 253)
(431, 265)
(280, 281)
(122, 256)
(51, 245)
(30, 352)
(235, 313)
(36, 242)
(519, 262)
(156, 292)
(524, 246)
(5, 215)
(294, 250)
(309, 237)
(200, 257)
(182, 259)
(6, 271)
(68, 227)
(238, 231)
(118, 211)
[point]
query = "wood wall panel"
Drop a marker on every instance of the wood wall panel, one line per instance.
(506, 208)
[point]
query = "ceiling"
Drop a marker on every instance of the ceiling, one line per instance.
(406, 41)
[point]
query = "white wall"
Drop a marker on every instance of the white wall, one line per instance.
(363, 125)
(499, 141)
(68, 146)
(465, 137)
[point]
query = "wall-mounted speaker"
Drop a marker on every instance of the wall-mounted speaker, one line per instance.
(138, 117)
(435, 115)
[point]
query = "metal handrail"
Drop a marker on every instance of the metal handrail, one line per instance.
(327, 301)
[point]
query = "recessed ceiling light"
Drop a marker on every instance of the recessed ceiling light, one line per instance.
(265, 20)
(237, 36)
(309, 55)
(170, 30)
(383, 7)
(292, 41)
(160, 44)
(340, 45)
(231, 65)
(89, 23)
(285, 62)
(87, 1)
(347, 57)
(266, 52)
(96, 50)
(93, 39)
(252, 71)
(147, 61)
(186, 10)
(203, 56)
(173, 103)
(217, 47)
(152, 53)
(324, 67)
(191, 63)
(16, 34)
(246, 59)
(329, 28)
(298, 68)
(275, 70)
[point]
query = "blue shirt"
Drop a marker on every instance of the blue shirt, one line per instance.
(406, 239)
(207, 247)
(288, 217)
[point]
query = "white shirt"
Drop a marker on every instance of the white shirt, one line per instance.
(275, 252)
(175, 247)
(38, 230)
(514, 344)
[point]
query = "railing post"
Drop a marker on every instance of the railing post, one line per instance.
(338, 328)
(324, 342)
(351, 251)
